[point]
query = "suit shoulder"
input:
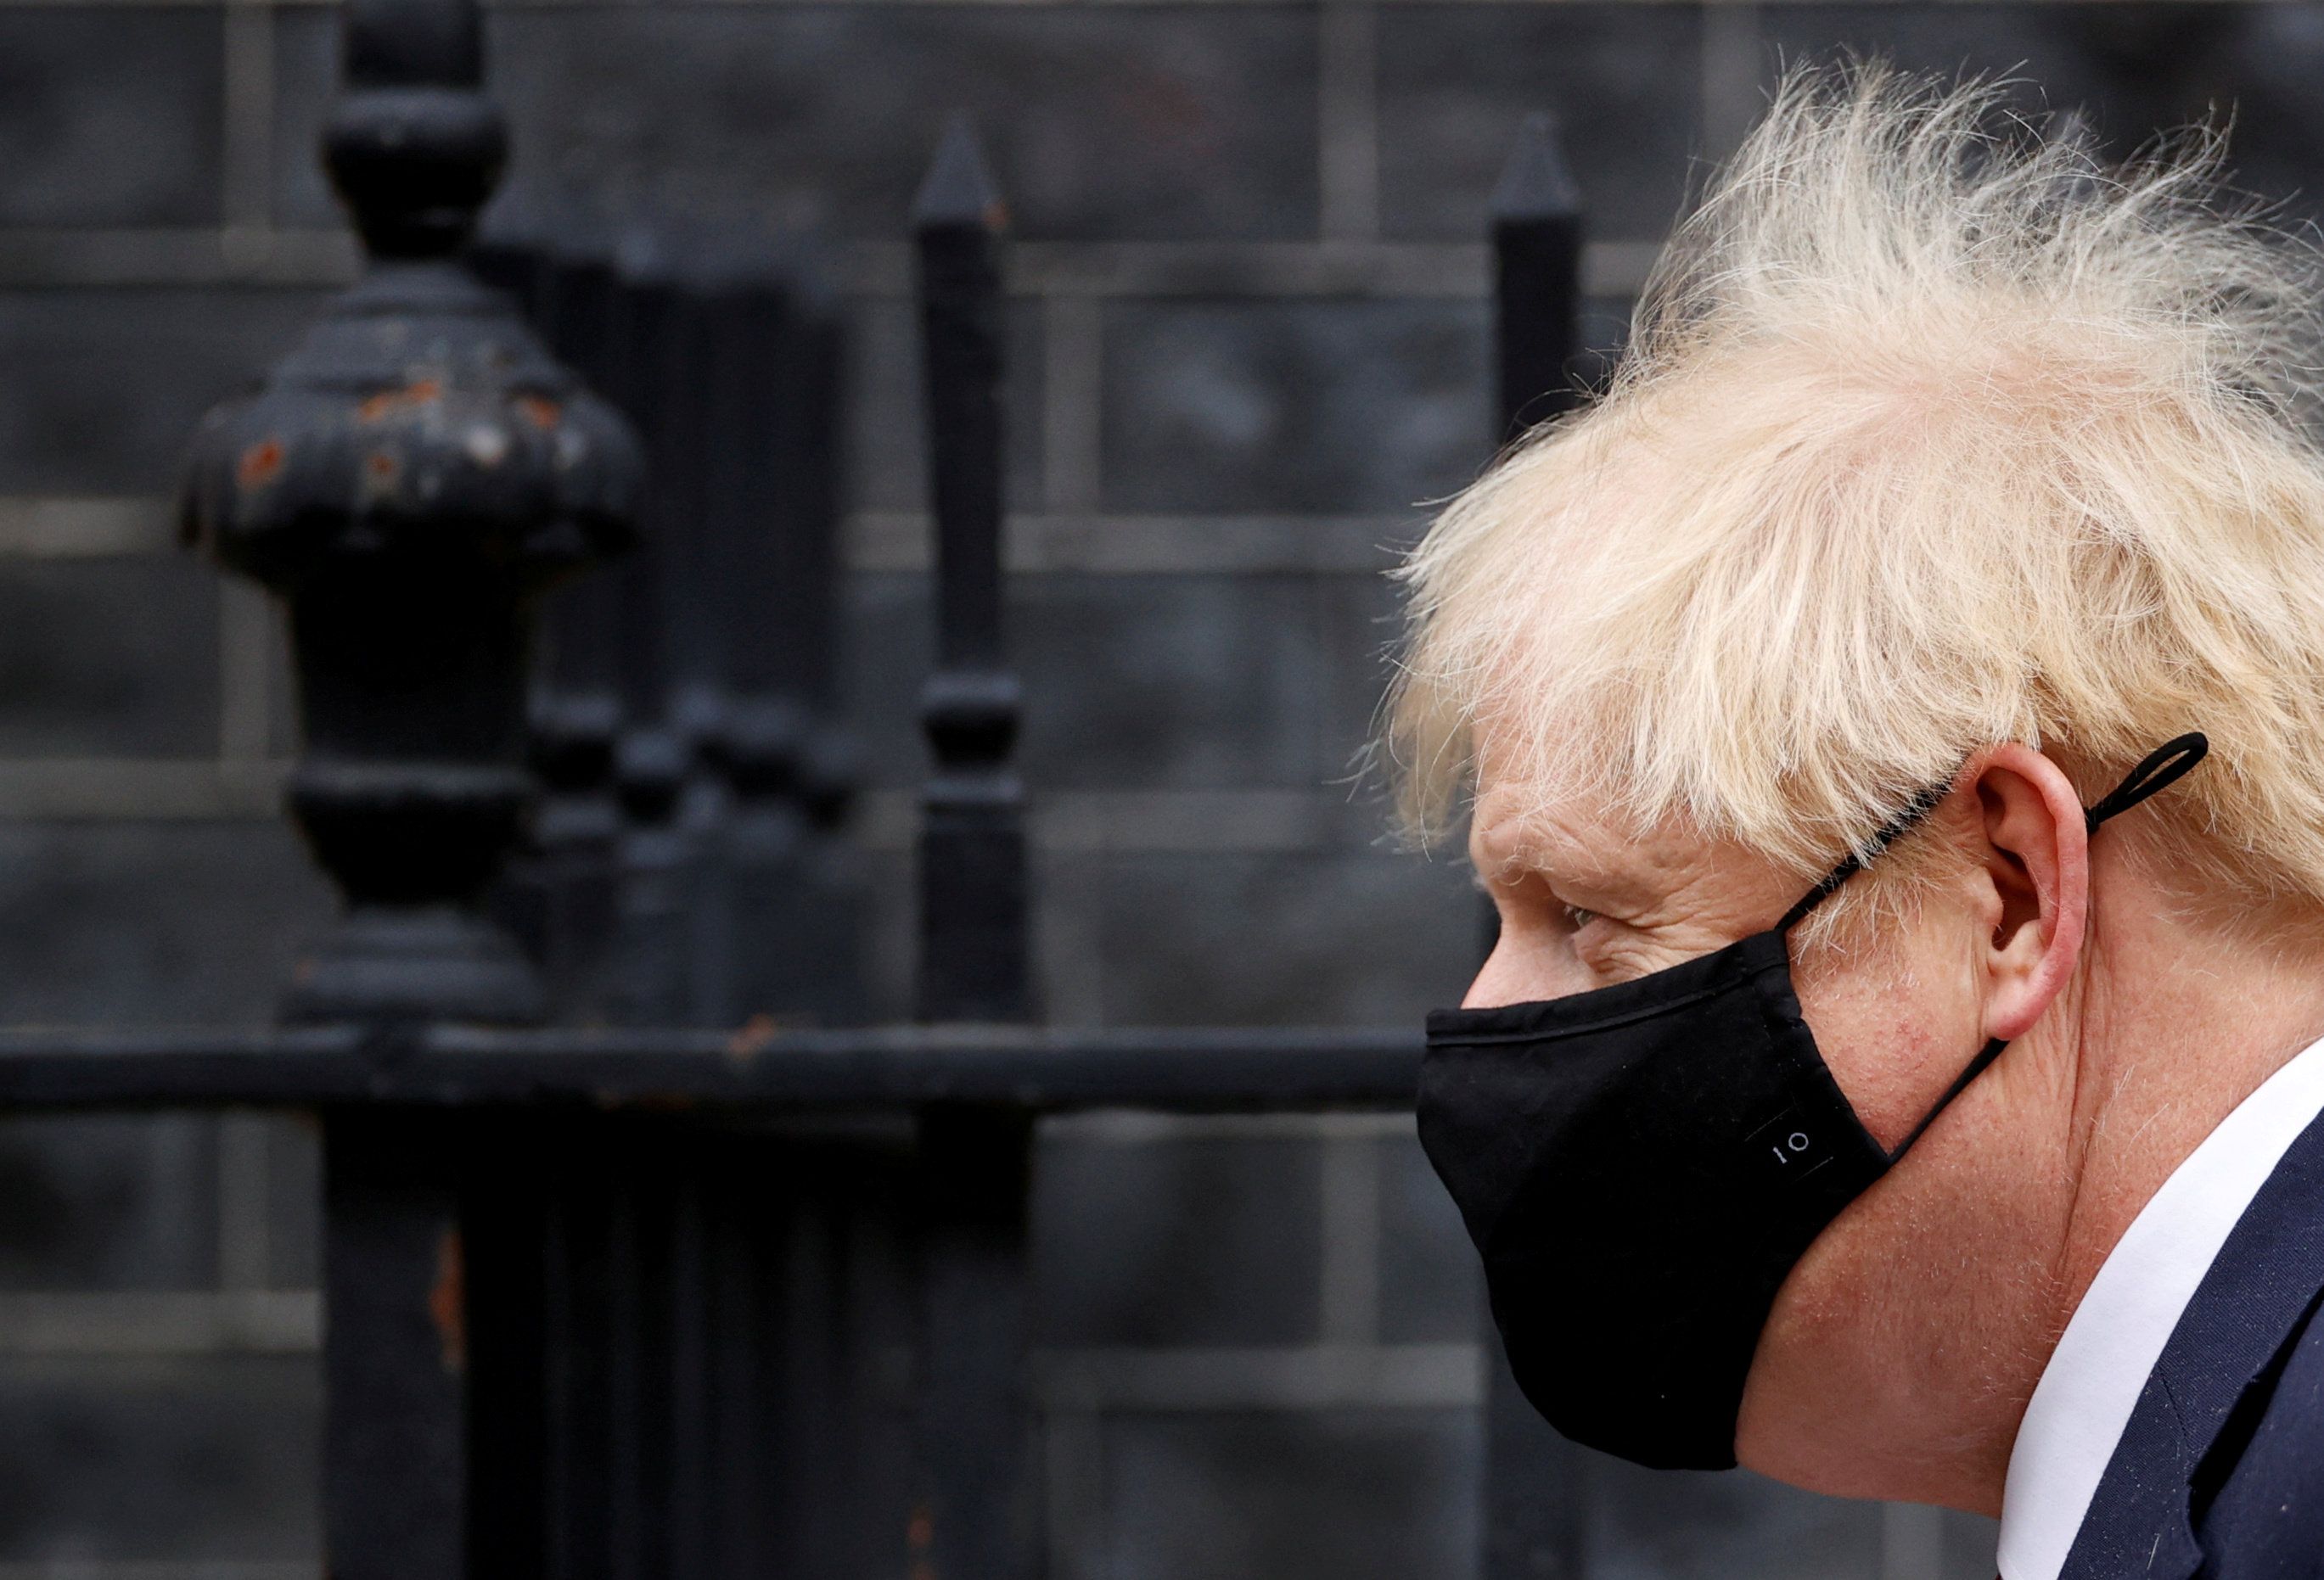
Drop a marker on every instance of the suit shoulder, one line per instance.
(2259, 1493)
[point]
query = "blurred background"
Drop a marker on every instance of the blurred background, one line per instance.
(1249, 340)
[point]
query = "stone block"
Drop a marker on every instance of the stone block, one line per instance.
(1153, 1240)
(1969, 1544)
(112, 657)
(305, 82)
(1342, 1494)
(210, 1459)
(891, 916)
(111, 116)
(1732, 1525)
(1145, 122)
(1302, 937)
(294, 1202)
(109, 1202)
(1432, 1285)
(1144, 682)
(1292, 406)
(1456, 82)
(2134, 69)
(127, 922)
(105, 387)
(887, 442)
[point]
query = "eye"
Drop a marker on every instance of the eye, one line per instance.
(1577, 918)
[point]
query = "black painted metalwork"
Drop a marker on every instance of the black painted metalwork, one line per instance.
(787, 907)
(1187, 1069)
(1534, 1481)
(973, 1515)
(610, 1299)
(409, 480)
(1537, 235)
(973, 928)
(561, 895)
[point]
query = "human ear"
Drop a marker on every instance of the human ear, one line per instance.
(2035, 883)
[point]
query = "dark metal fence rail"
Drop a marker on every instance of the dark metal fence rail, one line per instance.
(670, 1287)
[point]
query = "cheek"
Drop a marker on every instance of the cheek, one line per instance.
(1896, 1030)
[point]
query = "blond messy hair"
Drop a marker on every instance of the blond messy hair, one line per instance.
(1932, 433)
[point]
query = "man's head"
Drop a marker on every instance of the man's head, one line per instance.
(1940, 456)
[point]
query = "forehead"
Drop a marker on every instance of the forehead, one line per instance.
(1522, 824)
(1589, 850)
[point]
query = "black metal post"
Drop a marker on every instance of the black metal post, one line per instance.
(410, 480)
(973, 1519)
(577, 714)
(1534, 1481)
(1537, 234)
(651, 757)
(774, 508)
(696, 616)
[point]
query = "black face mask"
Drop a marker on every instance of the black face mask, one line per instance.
(1641, 1165)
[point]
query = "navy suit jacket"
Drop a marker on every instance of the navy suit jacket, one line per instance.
(2220, 1471)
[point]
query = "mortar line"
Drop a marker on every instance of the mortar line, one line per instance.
(1911, 1542)
(1348, 120)
(1073, 1489)
(1730, 87)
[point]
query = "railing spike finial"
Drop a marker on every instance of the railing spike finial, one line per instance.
(959, 189)
(1537, 230)
(413, 146)
(973, 962)
(971, 1511)
(1537, 181)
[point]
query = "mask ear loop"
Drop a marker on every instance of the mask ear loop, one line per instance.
(1924, 802)
(2160, 769)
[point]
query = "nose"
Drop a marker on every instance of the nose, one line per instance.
(1527, 964)
(1499, 980)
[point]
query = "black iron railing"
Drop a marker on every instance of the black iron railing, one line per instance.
(668, 1287)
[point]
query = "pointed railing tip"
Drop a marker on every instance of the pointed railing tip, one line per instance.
(959, 189)
(2070, 132)
(1537, 179)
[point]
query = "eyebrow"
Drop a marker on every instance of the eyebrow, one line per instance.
(1510, 852)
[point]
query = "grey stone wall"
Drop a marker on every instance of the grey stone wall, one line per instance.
(1249, 336)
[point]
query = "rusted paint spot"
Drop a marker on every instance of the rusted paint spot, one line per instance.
(259, 464)
(540, 410)
(447, 1304)
(919, 1536)
(752, 1035)
(419, 392)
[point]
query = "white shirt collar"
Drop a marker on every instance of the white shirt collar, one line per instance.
(2087, 1391)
